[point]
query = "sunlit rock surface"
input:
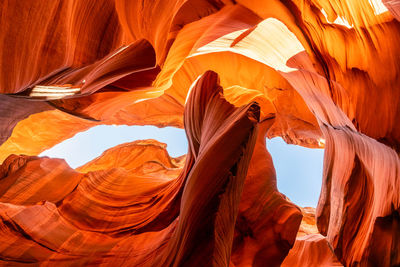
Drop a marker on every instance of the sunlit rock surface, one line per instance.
(310, 248)
(316, 73)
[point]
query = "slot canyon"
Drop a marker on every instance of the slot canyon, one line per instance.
(231, 74)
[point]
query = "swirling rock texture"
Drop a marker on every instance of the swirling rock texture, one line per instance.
(317, 73)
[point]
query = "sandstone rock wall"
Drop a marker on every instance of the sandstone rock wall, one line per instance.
(317, 73)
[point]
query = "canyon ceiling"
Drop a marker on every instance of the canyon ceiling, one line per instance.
(317, 73)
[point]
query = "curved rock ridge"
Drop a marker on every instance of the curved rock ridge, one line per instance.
(139, 208)
(316, 73)
(267, 222)
(310, 248)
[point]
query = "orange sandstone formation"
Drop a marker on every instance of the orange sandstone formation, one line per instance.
(317, 73)
(310, 248)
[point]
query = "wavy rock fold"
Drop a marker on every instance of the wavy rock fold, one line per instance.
(320, 74)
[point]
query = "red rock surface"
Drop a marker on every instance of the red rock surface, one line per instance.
(316, 73)
(310, 248)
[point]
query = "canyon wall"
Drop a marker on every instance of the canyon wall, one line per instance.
(320, 74)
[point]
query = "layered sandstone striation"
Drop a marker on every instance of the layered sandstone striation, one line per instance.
(232, 73)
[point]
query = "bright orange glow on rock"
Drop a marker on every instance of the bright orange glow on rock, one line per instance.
(231, 73)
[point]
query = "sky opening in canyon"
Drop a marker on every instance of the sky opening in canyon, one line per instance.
(299, 169)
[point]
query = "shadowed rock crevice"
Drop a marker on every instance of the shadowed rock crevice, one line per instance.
(317, 73)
